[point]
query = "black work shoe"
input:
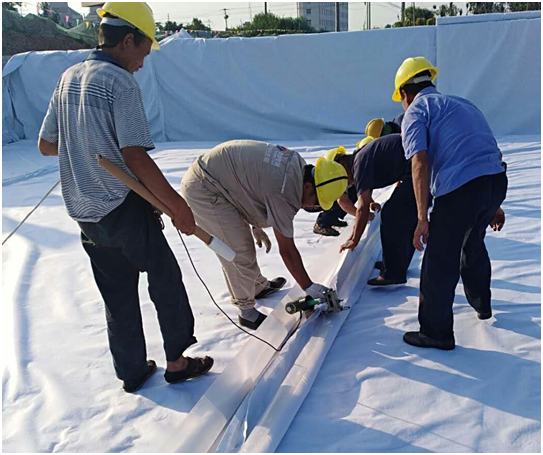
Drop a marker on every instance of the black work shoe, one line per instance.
(340, 223)
(271, 286)
(420, 340)
(382, 281)
(379, 265)
(195, 368)
(485, 315)
(327, 231)
(250, 324)
(134, 386)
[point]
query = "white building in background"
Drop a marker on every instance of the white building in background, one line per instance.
(322, 15)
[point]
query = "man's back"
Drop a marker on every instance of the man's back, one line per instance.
(459, 141)
(96, 108)
(264, 181)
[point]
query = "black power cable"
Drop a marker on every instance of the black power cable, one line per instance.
(228, 317)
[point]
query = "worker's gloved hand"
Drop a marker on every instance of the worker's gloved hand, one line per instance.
(183, 219)
(262, 238)
(316, 291)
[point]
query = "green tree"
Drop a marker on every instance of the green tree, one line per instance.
(12, 6)
(270, 21)
(159, 26)
(515, 7)
(431, 21)
(420, 13)
(448, 10)
(172, 26)
(486, 7)
(421, 21)
(398, 24)
(197, 24)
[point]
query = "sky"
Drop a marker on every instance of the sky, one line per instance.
(212, 14)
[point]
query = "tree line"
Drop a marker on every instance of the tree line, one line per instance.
(424, 16)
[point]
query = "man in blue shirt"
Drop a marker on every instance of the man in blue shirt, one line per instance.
(455, 157)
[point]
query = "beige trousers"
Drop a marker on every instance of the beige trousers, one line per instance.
(214, 213)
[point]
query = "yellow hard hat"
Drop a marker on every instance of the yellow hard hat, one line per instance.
(139, 14)
(375, 127)
(410, 68)
(364, 142)
(331, 154)
(330, 182)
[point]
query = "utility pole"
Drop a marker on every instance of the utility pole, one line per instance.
(250, 13)
(225, 18)
(403, 12)
(337, 16)
(265, 7)
(368, 15)
(413, 14)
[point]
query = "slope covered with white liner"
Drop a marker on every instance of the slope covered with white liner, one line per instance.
(373, 393)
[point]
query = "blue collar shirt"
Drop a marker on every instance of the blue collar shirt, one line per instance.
(459, 142)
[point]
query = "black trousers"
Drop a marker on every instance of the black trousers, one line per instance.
(455, 248)
(330, 217)
(129, 240)
(398, 223)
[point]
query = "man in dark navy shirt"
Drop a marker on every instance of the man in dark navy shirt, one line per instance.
(327, 220)
(379, 164)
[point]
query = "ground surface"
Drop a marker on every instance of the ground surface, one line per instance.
(373, 393)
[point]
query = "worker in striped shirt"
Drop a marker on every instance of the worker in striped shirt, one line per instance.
(97, 108)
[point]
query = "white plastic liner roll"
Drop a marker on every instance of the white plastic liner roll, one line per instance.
(203, 429)
(279, 414)
(273, 405)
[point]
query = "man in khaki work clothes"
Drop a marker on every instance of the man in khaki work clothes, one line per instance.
(242, 183)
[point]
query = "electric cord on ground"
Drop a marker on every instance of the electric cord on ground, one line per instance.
(30, 213)
(223, 312)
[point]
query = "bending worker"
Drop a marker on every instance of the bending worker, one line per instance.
(456, 157)
(327, 220)
(378, 164)
(240, 184)
(97, 108)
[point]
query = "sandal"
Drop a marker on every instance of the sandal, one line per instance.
(195, 368)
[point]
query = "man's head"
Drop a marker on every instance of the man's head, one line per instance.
(413, 87)
(127, 32)
(324, 183)
(414, 75)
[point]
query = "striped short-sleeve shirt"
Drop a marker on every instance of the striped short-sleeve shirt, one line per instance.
(96, 108)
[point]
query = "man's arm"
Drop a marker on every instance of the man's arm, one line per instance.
(421, 185)
(47, 148)
(148, 173)
(292, 259)
(346, 204)
(360, 222)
